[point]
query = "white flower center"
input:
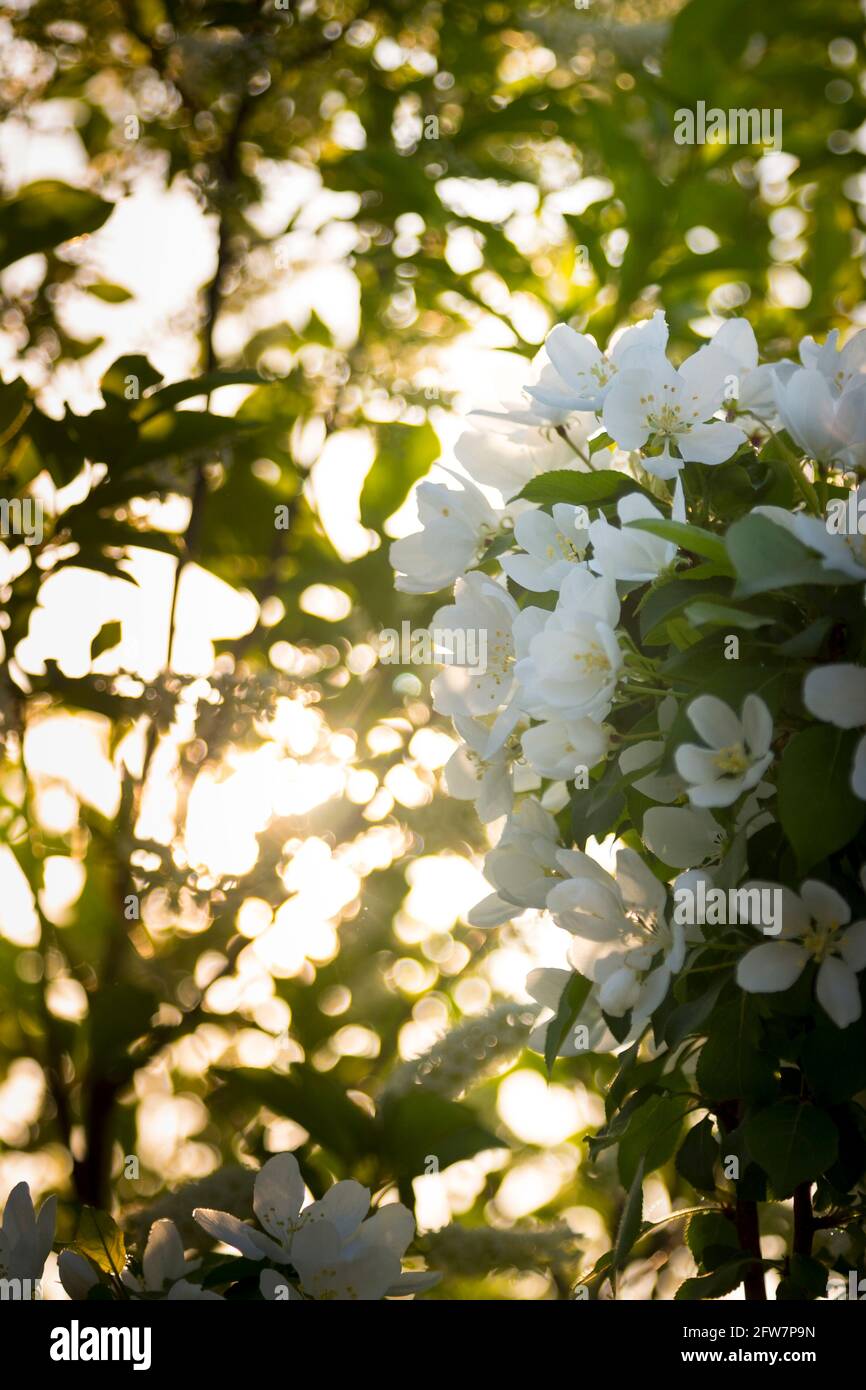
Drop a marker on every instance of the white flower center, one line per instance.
(563, 548)
(669, 417)
(821, 941)
(593, 658)
(603, 371)
(733, 760)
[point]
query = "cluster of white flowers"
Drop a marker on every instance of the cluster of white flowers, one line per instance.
(534, 717)
(327, 1249)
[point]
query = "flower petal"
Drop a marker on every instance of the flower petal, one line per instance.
(392, 1226)
(227, 1228)
(710, 444)
(697, 764)
(853, 946)
(278, 1196)
(715, 721)
(683, 837)
(163, 1260)
(77, 1274)
(344, 1205)
(757, 725)
(837, 992)
(771, 967)
(624, 412)
(824, 904)
(837, 694)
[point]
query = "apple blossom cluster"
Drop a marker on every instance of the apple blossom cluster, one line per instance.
(657, 558)
(326, 1249)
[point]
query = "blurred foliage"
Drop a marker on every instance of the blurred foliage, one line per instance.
(541, 134)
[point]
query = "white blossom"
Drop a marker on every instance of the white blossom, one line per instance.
(480, 620)
(657, 405)
(815, 926)
(683, 836)
(840, 368)
(558, 747)
(486, 770)
(827, 427)
(580, 374)
(500, 454)
(553, 544)
(749, 385)
(573, 660)
(456, 525)
(336, 1252)
(629, 554)
(623, 917)
(737, 755)
(520, 867)
(546, 985)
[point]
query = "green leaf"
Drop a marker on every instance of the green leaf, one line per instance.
(818, 811)
(723, 1280)
(651, 1137)
(808, 642)
(630, 1221)
(107, 636)
(697, 1157)
(579, 489)
(723, 614)
(15, 406)
(182, 432)
(421, 1125)
(99, 1239)
(793, 1142)
(731, 1065)
(571, 1002)
(766, 556)
(177, 391)
(404, 454)
(116, 382)
(834, 1061)
(630, 1075)
(712, 1239)
(688, 1019)
(44, 215)
(664, 600)
(806, 1278)
(688, 537)
(601, 441)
